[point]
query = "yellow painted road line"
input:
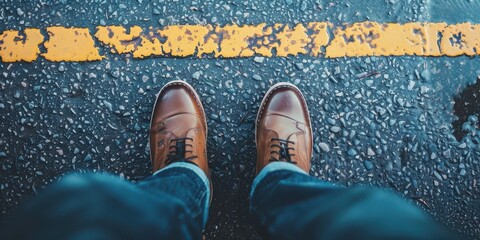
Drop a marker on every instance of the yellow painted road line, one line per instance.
(16, 47)
(70, 44)
(317, 39)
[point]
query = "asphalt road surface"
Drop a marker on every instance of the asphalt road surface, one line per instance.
(406, 123)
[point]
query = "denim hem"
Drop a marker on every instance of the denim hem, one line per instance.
(271, 167)
(203, 177)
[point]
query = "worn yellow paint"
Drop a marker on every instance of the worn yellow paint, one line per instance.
(70, 44)
(235, 40)
(150, 45)
(317, 39)
(461, 39)
(291, 41)
(117, 39)
(15, 46)
(392, 39)
(184, 40)
(263, 45)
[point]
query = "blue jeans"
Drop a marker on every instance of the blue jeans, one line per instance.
(285, 203)
(171, 204)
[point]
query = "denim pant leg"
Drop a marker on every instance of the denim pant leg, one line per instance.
(286, 203)
(172, 204)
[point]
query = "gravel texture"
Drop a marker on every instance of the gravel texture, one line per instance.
(377, 121)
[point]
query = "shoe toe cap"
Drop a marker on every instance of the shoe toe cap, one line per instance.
(174, 99)
(288, 101)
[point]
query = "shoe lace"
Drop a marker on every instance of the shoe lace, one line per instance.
(178, 150)
(283, 151)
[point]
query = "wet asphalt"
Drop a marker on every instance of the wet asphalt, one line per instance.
(404, 123)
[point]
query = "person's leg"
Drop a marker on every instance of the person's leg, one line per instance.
(286, 203)
(171, 204)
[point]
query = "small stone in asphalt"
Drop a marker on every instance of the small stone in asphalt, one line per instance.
(316, 148)
(88, 158)
(213, 116)
(196, 75)
(299, 66)
(324, 147)
(20, 12)
(352, 152)
(370, 152)
(368, 164)
(425, 75)
(258, 59)
(335, 129)
(257, 77)
(108, 105)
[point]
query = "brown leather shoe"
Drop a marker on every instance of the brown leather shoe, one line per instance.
(283, 128)
(178, 129)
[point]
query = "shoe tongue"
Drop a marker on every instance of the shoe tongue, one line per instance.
(293, 137)
(190, 133)
(282, 153)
